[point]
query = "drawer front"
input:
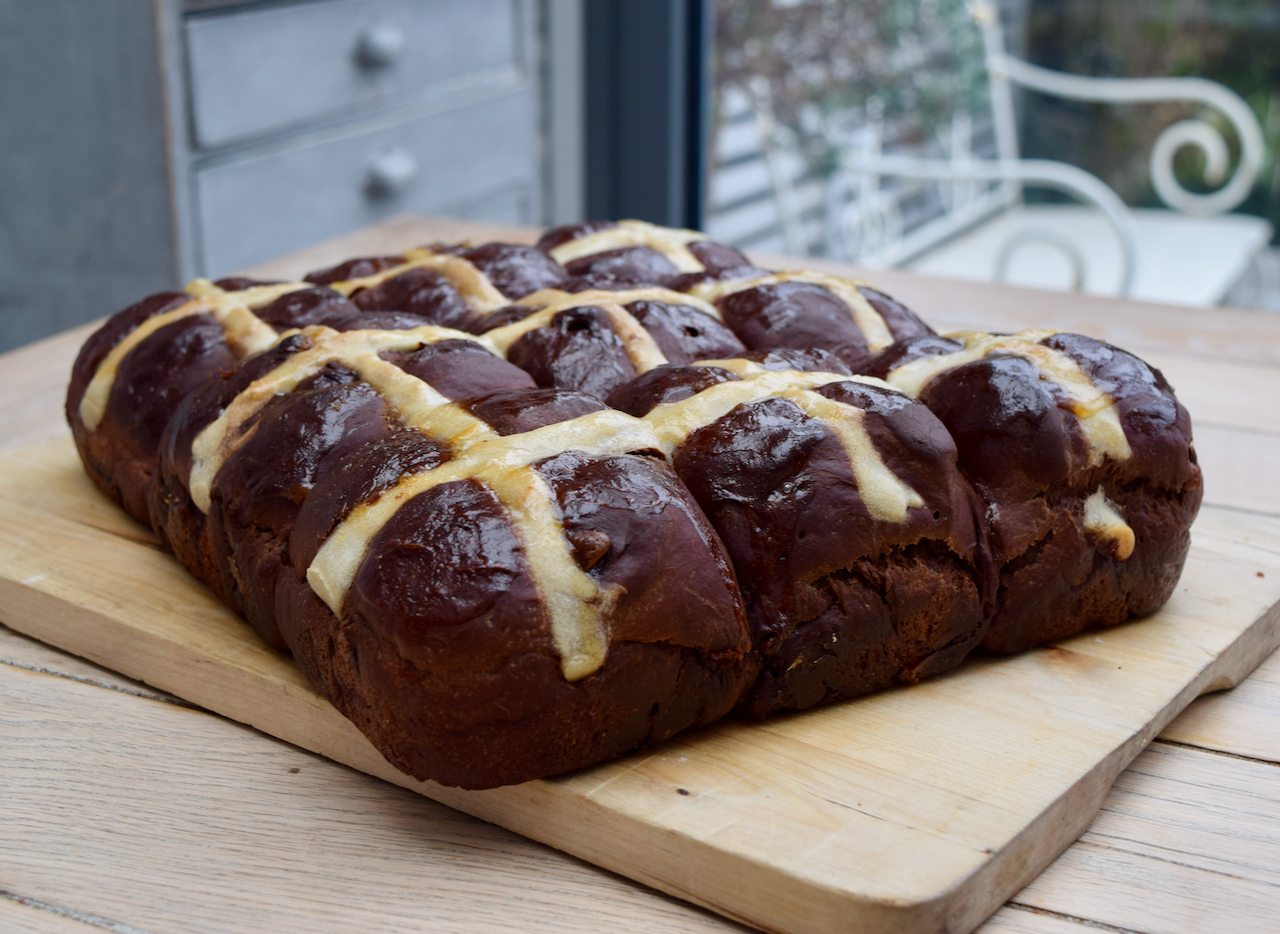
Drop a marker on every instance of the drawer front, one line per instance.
(480, 158)
(260, 71)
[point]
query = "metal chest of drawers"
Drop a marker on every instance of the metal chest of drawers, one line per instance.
(145, 142)
(302, 120)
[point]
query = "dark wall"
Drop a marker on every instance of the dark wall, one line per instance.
(646, 97)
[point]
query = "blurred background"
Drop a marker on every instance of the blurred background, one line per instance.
(1038, 142)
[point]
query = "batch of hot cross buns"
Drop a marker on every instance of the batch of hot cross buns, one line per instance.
(520, 509)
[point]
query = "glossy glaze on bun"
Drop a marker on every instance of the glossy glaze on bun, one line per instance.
(516, 510)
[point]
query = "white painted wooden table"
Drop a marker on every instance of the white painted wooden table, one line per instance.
(125, 809)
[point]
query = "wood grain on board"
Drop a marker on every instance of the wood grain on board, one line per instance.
(909, 810)
(232, 834)
(433, 863)
(212, 816)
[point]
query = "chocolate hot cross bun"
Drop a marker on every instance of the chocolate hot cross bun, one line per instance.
(801, 310)
(855, 539)
(403, 470)
(595, 341)
(1083, 457)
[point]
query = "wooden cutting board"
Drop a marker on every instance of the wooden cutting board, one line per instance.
(917, 809)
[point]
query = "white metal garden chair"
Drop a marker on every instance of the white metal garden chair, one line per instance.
(1190, 253)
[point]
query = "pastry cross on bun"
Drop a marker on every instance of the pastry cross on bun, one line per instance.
(516, 510)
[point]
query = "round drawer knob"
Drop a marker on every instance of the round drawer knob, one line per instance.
(380, 45)
(391, 173)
